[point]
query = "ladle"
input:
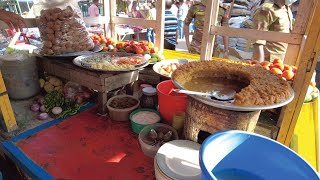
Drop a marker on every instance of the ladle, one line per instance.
(224, 94)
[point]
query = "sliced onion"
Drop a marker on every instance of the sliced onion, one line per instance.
(41, 100)
(43, 116)
(42, 108)
(56, 110)
(35, 107)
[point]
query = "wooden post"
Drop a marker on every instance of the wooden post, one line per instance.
(308, 61)
(112, 16)
(211, 14)
(159, 30)
(10, 123)
(106, 13)
(306, 7)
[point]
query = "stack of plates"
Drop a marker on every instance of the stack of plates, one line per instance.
(178, 159)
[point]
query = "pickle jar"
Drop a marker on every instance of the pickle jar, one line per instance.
(149, 98)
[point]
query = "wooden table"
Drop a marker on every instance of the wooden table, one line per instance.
(103, 82)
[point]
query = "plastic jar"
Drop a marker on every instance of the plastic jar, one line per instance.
(141, 87)
(20, 75)
(149, 98)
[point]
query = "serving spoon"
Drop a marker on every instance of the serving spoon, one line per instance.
(224, 94)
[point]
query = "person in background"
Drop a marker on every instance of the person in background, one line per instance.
(93, 10)
(174, 9)
(182, 14)
(294, 8)
(170, 27)
(272, 16)
(122, 6)
(129, 5)
(152, 14)
(135, 13)
(14, 21)
(197, 12)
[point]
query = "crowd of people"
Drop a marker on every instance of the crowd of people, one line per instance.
(184, 16)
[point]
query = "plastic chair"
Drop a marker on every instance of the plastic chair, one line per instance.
(242, 155)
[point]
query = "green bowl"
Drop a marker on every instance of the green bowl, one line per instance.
(136, 127)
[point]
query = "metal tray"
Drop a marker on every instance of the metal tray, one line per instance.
(228, 105)
(156, 66)
(77, 62)
(96, 48)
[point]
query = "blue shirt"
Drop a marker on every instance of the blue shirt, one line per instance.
(170, 27)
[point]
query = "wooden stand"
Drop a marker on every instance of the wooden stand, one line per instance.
(100, 81)
(303, 52)
(202, 117)
(9, 122)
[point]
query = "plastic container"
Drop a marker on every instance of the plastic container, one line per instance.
(137, 127)
(169, 101)
(149, 98)
(141, 87)
(148, 149)
(121, 114)
(243, 155)
(20, 75)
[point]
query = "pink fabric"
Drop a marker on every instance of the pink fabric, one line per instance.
(93, 11)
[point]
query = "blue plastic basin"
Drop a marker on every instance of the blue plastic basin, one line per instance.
(230, 155)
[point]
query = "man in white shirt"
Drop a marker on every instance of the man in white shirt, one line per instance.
(182, 14)
(174, 9)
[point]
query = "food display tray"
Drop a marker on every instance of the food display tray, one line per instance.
(78, 62)
(156, 67)
(96, 48)
(228, 105)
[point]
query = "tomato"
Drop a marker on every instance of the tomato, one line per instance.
(132, 42)
(119, 45)
(287, 67)
(279, 66)
(276, 71)
(96, 42)
(254, 62)
(105, 49)
(103, 41)
(294, 69)
(145, 48)
(128, 49)
(265, 63)
(266, 67)
(139, 50)
(144, 42)
(277, 61)
(288, 74)
(134, 48)
(126, 45)
(114, 50)
(248, 61)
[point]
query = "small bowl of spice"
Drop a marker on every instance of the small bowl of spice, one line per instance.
(121, 106)
(152, 137)
(143, 117)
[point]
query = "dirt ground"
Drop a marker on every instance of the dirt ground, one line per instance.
(25, 118)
